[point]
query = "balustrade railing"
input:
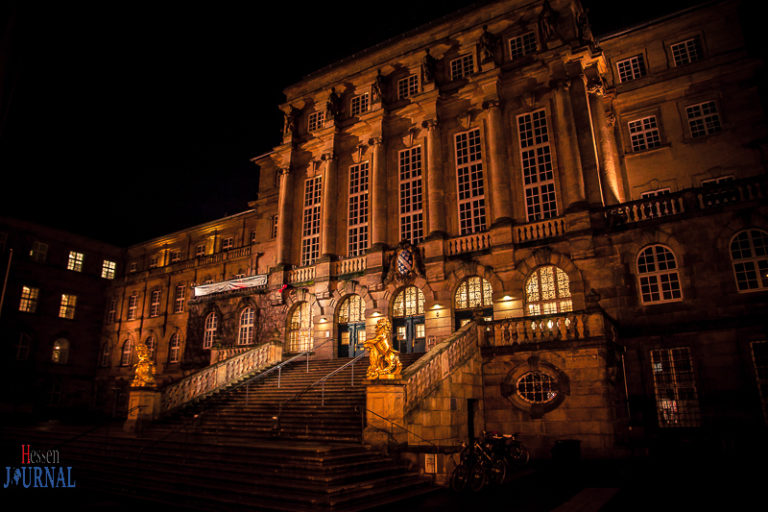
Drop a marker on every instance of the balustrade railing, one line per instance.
(350, 265)
(301, 275)
(539, 230)
(573, 325)
(425, 374)
(222, 354)
(219, 375)
(468, 243)
(648, 208)
(729, 192)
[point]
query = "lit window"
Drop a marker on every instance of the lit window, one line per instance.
(749, 255)
(631, 68)
(316, 121)
(358, 104)
(154, 303)
(538, 175)
(474, 293)
(39, 252)
(29, 298)
(60, 352)
(548, 291)
(67, 306)
(310, 241)
(227, 243)
(245, 333)
(644, 134)
(408, 86)
(658, 277)
(703, 119)
(23, 346)
(126, 355)
(200, 250)
(760, 361)
(522, 45)
(300, 328)
(108, 269)
(536, 388)
(470, 182)
(133, 302)
(677, 402)
(357, 220)
(75, 261)
(352, 310)
(462, 67)
(273, 230)
(209, 329)
(104, 355)
(686, 52)
(154, 261)
(174, 348)
(409, 302)
(411, 195)
(175, 255)
(178, 298)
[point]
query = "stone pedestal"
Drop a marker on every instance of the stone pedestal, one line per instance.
(385, 401)
(143, 406)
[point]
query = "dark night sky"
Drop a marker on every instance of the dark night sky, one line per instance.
(129, 120)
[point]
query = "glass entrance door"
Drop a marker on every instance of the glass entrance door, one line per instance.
(351, 338)
(410, 335)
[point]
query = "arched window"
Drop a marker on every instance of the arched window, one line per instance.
(151, 346)
(174, 348)
(409, 302)
(300, 328)
(60, 353)
(352, 310)
(749, 254)
(547, 291)
(209, 329)
(474, 293)
(154, 303)
(245, 333)
(657, 274)
(104, 355)
(127, 353)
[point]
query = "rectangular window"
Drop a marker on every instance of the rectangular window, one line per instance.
(178, 298)
(253, 237)
(760, 361)
(111, 310)
(67, 306)
(316, 121)
(200, 250)
(644, 134)
(273, 230)
(39, 252)
(677, 401)
(154, 303)
(175, 255)
(411, 195)
(462, 67)
(108, 269)
(29, 298)
(470, 182)
(75, 261)
(631, 68)
(522, 45)
(703, 119)
(310, 233)
(154, 261)
(408, 86)
(132, 267)
(538, 175)
(133, 303)
(358, 104)
(655, 193)
(686, 52)
(718, 181)
(227, 243)
(357, 232)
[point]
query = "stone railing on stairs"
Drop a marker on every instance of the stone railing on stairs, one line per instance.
(570, 326)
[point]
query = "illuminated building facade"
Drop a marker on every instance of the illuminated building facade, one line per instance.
(596, 204)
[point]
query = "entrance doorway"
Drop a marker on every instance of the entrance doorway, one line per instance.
(351, 326)
(408, 321)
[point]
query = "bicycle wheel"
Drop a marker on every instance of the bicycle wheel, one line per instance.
(520, 455)
(460, 477)
(477, 477)
(497, 472)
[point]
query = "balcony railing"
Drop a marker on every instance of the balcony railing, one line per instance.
(570, 326)
(350, 265)
(468, 243)
(730, 192)
(646, 209)
(548, 228)
(301, 275)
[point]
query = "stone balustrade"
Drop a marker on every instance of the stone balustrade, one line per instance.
(649, 208)
(350, 265)
(468, 243)
(301, 275)
(548, 228)
(731, 192)
(221, 374)
(573, 325)
(222, 354)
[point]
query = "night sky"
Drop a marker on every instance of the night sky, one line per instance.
(128, 120)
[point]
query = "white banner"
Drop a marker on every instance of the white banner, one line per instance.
(232, 284)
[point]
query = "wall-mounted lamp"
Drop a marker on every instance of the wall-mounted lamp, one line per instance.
(375, 314)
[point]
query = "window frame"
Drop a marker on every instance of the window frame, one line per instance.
(563, 298)
(154, 302)
(538, 176)
(698, 51)
(174, 348)
(754, 259)
(459, 68)
(68, 306)
(210, 329)
(410, 174)
(126, 353)
(702, 120)
(29, 301)
(408, 86)
(179, 297)
(647, 137)
(359, 104)
(524, 47)
(246, 331)
(311, 220)
(634, 74)
(655, 278)
(315, 121)
(75, 261)
(470, 176)
(38, 252)
(675, 383)
(358, 209)
(108, 269)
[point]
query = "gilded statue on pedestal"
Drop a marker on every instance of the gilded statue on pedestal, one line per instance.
(384, 360)
(145, 368)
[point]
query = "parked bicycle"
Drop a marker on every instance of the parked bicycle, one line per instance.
(489, 460)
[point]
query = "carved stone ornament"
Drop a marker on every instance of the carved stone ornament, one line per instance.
(428, 68)
(334, 105)
(384, 359)
(145, 368)
(488, 43)
(405, 264)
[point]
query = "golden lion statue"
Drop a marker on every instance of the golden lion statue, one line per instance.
(384, 359)
(145, 368)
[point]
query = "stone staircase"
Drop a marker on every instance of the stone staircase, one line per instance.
(229, 451)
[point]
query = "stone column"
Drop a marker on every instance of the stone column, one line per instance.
(582, 117)
(610, 172)
(284, 211)
(569, 162)
(501, 204)
(378, 203)
(328, 208)
(435, 181)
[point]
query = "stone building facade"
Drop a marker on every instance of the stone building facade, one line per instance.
(595, 204)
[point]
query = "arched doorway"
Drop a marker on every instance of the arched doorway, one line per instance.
(474, 295)
(300, 328)
(351, 323)
(408, 320)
